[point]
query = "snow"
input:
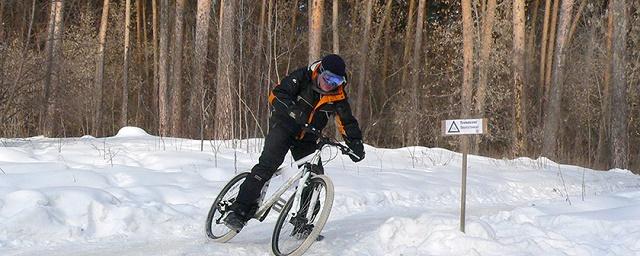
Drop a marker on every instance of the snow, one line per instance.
(137, 194)
(129, 131)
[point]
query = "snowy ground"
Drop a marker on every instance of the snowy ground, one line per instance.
(135, 194)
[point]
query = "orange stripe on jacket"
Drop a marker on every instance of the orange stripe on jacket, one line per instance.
(272, 97)
(340, 126)
(324, 100)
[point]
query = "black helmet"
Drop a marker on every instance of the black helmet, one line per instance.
(335, 64)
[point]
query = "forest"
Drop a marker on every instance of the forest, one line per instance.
(555, 78)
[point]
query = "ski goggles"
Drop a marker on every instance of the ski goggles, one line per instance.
(331, 80)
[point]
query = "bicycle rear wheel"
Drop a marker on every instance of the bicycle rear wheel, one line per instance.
(294, 235)
(214, 227)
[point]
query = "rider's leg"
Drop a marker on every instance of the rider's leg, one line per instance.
(276, 145)
(302, 148)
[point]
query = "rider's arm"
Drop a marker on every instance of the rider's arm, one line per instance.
(283, 95)
(348, 126)
(346, 122)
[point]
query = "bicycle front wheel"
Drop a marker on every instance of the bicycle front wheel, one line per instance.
(296, 230)
(214, 227)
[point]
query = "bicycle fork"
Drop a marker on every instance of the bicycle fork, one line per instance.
(302, 183)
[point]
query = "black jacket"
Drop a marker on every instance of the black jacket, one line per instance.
(298, 89)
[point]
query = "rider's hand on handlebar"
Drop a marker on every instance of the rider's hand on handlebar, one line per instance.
(357, 148)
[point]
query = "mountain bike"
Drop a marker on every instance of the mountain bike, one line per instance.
(301, 217)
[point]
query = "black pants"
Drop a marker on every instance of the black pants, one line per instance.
(278, 142)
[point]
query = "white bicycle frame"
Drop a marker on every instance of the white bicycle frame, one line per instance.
(301, 176)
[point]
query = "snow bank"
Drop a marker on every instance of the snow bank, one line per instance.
(136, 194)
(129, 131)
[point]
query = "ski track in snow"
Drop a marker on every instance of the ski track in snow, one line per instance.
(136, 194)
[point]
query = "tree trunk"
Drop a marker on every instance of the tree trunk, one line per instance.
(574, 25)
(139, 62)
(156, 64)
(269, 57)
(543, 58)
(292, 41)
(550, 50)
(199, 62)
(226, 71)
(139, 26)
(603, 156)
(364, 53)
(383, 23)
(530, 56)
(467, 54)
(334, 27)
(259, 70)
(552, 115)
(407, 43)
(3, 43)
(483, 65)
(619, 130)
(2, 40)
(148, 84)
(467, 69)
(385, 58)
(163, 69)
(415, 74)
(176, 87)
(102, 35)
(125, 69)
(519, 112)
(590, 69)
(54, 40)
(315, 29)
(531, 38)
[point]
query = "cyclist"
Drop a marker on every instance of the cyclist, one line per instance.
(307, 96)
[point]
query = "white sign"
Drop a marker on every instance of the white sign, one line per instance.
(464, 126)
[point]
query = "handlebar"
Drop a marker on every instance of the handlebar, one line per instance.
(323, 140)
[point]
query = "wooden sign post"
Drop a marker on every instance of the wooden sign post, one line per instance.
(464, 127)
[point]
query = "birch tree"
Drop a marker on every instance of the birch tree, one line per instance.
(176, 86)
(334, 26)
(315, 29)
(364, 52)
(99, 77)
(519, 112)
(603, 150)
(407, 42)
(415, 64)
(552, 115)
(550, 50)
(125, 68)
(486, 44)
(199, 60)
(467, 69)
(543, 57)
(156, 61)
(619, 130)
(225, 80)
(163, 69)
(467, 54)
(54, 40)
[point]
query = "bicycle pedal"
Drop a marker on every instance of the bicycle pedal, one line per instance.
(279, 205)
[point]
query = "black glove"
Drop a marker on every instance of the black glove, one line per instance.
(357, 148)
(297, 114)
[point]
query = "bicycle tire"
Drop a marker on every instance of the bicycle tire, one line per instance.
(215, 213)
(321, 218)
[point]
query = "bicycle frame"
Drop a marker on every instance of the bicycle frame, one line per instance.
(301, 176)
